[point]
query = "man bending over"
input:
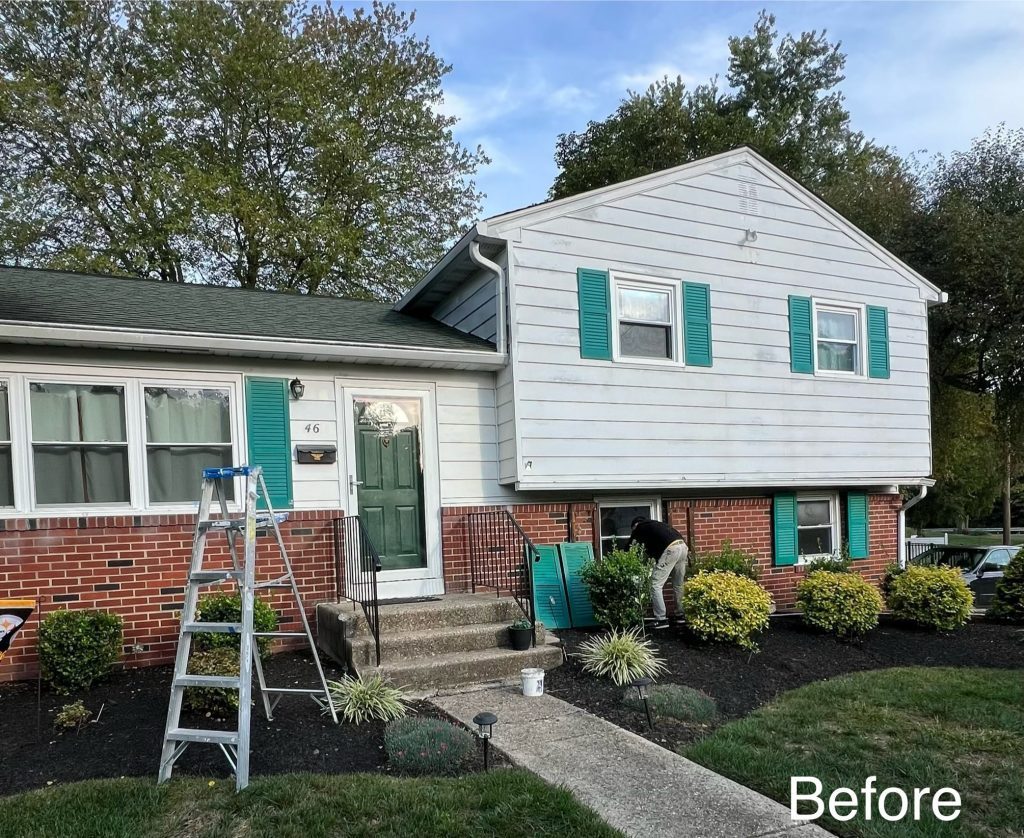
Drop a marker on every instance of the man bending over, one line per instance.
(666, 545)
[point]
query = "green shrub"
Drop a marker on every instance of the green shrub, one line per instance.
(226, 607)
(428, 746)
(622, 655)
(725, 607)
(620, 587)
(728, 558)
(892, 570)
(674, 701)
(73, 715)
(220, 701)
(1009, 600)
(77, 648)
(362, 700)
(843, 604)
(838, 563)
(933, 597)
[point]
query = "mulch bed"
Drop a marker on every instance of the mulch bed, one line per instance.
(790, 656)
(126, 740)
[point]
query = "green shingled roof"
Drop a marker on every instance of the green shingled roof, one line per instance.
(59, 298)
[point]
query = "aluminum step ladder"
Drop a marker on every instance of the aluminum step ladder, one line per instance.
(234, 743)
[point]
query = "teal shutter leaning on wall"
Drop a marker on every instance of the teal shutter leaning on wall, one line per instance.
(857, 524)
(697, 324)
(270, 443)
(801, 335)
(784, 511)
(595, 314)
(878, 342)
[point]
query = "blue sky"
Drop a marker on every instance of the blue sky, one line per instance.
(920, 76)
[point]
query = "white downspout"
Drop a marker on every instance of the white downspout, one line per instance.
(902, 528)
(482, 262)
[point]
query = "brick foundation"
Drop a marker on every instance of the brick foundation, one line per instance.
(746, 522)
(135, 566)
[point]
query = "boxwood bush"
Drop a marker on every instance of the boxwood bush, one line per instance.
(428, 746)
(1009, 599)
(220, 660)
(727, 558)
(620, 586)
(933, 597)
(77, 648)
(726, 607)
(843, 604)
(226, 607)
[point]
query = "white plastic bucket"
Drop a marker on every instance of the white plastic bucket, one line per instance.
(533, 682)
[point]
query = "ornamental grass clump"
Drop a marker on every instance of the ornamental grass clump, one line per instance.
(77, 648)
(622, 655)
(843, 604)
(428, 747)
(1008, 603)
(725, 607)
(674, 701)
(932, 597)
(361, 700)
(620, 587)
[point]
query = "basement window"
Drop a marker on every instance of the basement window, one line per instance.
(817, 525)
(616, 515)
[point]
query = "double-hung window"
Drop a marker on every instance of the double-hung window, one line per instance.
(838, 342)
(817, 523)
(616, 516)
(647, 322)
(187, 429)
(79, 443)
(6, 462)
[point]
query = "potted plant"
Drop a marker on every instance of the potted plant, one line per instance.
(520, 633)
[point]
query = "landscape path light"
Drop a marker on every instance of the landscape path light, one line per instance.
(641, 685)
(484, 729)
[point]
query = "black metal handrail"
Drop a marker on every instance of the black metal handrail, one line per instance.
(356, 565)
(501, 558)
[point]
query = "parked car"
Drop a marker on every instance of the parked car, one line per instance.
(981, 567)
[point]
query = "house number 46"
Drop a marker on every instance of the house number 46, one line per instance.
(313, 428)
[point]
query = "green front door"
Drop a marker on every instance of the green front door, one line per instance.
(389, 468)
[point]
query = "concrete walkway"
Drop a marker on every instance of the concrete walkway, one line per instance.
(636, 786)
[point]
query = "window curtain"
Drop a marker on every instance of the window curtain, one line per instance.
(80, 453)
(187, 430)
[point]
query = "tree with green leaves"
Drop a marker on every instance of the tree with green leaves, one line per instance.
(263, 144)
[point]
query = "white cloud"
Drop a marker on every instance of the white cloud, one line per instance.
(502, 162)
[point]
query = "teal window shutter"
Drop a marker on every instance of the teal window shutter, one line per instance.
(270, 443)
(801, 335)
(549, 601)
(595, 314)
(575, 554)
(697, 323)
(784, 509)
(857, 524)
(878, 342)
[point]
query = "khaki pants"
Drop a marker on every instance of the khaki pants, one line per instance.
(672, 563)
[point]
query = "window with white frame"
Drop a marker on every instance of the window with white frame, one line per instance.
(647, 320)
(187, 429)
(6, 462)
(837, 338)
(79, 443)
(817, 524)
(617, 515)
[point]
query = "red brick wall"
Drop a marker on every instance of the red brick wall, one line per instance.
(135, 566)
(746, 522)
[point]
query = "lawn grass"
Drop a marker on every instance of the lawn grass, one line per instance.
(504, 803)
(911, 727)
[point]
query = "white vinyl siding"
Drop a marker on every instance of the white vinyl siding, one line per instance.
(748, 420)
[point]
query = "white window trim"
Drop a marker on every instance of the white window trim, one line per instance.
(18, 378)
(860, 310)
(833, 503)
(653, 502)
(9, 440)
(638, 281)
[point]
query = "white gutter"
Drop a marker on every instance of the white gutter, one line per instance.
(499, 274)
(656, 483)
(253, 346)
(901, 533)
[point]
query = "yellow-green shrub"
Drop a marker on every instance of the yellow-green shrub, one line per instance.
(726, 607)
(843, 604)
(933, 597)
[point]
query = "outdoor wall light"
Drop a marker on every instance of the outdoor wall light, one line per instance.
(750, 235)
(297, 388)
(641, 685)
(484, 729)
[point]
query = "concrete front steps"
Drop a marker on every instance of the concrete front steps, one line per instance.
(453, 641)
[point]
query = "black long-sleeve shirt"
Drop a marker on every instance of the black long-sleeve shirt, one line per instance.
(654, 537)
